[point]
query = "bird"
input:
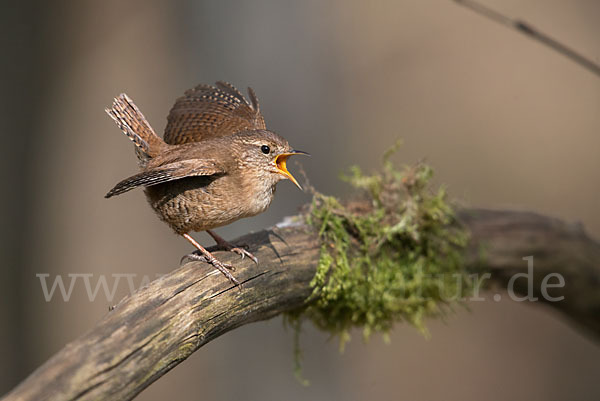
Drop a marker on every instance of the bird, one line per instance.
(216, 163)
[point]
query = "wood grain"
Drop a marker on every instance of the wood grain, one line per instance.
(152, 331)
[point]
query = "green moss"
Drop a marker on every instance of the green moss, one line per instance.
(393, 255)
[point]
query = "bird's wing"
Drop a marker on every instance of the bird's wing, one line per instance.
(168, 172)
(212, 111)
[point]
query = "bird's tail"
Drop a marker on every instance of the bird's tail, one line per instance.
(133, 124)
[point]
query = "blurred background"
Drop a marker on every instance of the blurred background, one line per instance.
(505, 122)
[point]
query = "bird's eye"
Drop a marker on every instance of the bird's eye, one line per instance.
(265, 149)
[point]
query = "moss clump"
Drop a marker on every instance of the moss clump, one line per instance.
(394, 254)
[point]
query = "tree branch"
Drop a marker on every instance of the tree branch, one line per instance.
(533, 33)
(152, 331)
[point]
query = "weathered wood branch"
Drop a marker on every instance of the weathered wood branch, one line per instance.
(152, 331)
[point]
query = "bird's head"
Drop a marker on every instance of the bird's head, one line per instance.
(265, 154)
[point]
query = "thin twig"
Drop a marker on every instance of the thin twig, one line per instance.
(530, 31)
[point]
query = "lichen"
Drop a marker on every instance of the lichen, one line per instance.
(394, 254)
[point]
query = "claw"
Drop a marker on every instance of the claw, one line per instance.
(194, 256)
(224, 268)
(226, 246)
(243, 253)
(205, 256)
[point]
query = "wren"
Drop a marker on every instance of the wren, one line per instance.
(217, 163)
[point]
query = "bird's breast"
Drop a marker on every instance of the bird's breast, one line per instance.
(261, 199)
(193, 204)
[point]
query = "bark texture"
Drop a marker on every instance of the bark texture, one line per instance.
(152, 331)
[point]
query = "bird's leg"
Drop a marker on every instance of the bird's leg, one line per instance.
(223, 244)
(209, 258)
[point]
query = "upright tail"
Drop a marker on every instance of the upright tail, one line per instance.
(133, 124)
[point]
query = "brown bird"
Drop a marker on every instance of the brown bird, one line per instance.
(217, 163)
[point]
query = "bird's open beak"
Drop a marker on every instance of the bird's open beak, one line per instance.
(280, 163)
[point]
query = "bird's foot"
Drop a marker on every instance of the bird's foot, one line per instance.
(243, 252)
(224, 268)
(205, 256)
(224, 245)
